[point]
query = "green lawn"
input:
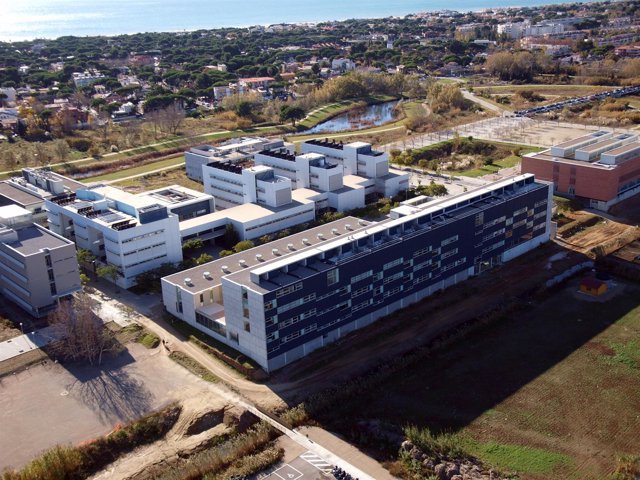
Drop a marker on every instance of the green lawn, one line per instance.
(510, 161)
(167, 162)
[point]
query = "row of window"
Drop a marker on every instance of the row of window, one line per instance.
(289, 289)
(140, 237)
(277, 220)
(133, 252)
(145, 261)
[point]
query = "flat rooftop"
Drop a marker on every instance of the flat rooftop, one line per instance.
(16, 195)
(308, 244)
(249, 212)
(174, 194)
(233, 262)
(547, 157)
(584, 138)
(597, 146)
(34, 238)
(624, 149)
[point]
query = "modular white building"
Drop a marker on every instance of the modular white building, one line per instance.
(361, 160)
(37, 267)
(234, 150)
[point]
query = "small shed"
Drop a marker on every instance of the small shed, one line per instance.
(593, 286)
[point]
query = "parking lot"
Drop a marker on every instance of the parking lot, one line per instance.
(54, 404)
(307, 466)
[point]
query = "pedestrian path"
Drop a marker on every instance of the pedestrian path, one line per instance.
(318, 462)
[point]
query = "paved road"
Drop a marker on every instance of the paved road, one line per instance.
(484, 103)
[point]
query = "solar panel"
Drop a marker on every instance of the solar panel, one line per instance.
(111, 217)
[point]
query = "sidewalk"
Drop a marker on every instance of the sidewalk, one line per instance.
(346, 452)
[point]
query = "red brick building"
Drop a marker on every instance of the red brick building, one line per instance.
(601, 168)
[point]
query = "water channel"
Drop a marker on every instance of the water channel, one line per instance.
(358, 118)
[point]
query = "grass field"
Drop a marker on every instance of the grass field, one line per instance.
(153, 181)
(128, 172)
(550, 391)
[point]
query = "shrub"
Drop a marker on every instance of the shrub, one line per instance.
(80, 144)
(150, 340)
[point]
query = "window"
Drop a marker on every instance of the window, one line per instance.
(449, 240)
(201, 299)
(289, 289)
(247, 327)
(394, 277)
(479, 219)
(333, 277)
(449, 253)
(270, 305)
(362, 276)
(361, 291)
(393, 263)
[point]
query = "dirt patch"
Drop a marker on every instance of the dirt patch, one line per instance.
(201, 421)
(600, 349)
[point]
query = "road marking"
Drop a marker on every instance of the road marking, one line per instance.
(288, 475)
(318, 462)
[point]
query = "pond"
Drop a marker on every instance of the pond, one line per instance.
(358, 118)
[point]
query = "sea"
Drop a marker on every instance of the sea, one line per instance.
(47, 19)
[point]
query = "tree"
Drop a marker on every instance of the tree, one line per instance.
(231, 237)
(85, 256)
(192, 244)
(204, 258)
(243, 245)
(62, 149)
(110, 272)
(291, 113)
(80, 332)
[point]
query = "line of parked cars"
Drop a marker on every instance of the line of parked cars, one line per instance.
(620, 92)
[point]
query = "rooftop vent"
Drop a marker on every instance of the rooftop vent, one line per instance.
(207, 275)
(306, 241)
(243, 263)
(259, 257)
(348, 227)
(187, 281)
(290, 246)
(321, 236)
(335, 231)
(275, 251)
(225, 269)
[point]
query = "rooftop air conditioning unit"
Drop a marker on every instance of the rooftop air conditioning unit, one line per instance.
(348, 227)
(321, 236)
(306, 241)
(335, 231)
(243, 263)
(207, 275)
(225, 269)
(275, 251)
(362, 223)
(290, 246)
(259, 257)
(187, 281)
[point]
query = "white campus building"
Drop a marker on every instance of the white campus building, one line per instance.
(134, 232)
(234, 150)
